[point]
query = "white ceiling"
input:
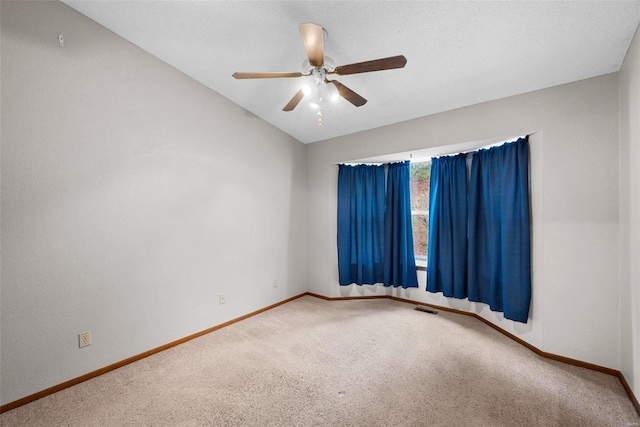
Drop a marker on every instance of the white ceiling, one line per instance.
(458, 53)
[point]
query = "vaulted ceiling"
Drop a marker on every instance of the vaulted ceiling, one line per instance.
(458, 53)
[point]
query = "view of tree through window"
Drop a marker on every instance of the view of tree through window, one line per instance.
(420, 181)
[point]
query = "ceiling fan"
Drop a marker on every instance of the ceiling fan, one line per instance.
(319, 66)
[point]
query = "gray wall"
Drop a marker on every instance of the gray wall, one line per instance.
(132, 196)
(630, 216)
(574, 184)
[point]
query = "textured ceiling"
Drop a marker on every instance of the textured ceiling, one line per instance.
(458, 53)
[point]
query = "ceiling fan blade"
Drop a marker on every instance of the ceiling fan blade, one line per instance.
(374, 65)
(313, 43)
(264, 75)
(294, 101)
(348, 94)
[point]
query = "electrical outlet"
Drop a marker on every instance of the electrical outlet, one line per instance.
(275, 283)
(222, 298)
(84, 339)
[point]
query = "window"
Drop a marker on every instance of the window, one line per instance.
(420, 181)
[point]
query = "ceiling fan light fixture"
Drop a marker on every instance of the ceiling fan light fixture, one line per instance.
(315, 69)
(332, 92)
(329, 65)
(307, 67)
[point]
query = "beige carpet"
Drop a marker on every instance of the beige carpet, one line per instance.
(312, 362)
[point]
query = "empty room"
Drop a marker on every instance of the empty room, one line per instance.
(292, 213)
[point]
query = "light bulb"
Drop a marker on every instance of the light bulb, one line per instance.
(332, 92)
(306, 89)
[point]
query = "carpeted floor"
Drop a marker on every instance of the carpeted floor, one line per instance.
(312, 362)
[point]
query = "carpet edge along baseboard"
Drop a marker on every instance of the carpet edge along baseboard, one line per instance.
(28, 399)
(74, 381)
(520, 341)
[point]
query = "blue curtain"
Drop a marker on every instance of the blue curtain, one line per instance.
(361, 205)
(447, 251)
(400, 263)
(499, 265)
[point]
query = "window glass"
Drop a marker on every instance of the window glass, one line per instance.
(420, 181)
